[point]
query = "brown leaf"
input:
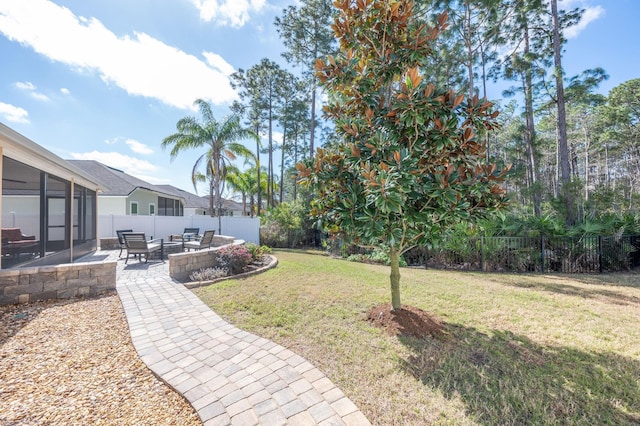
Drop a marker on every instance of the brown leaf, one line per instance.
(458, 100)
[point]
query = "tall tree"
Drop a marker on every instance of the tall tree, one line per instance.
(584, 104)
(252, 110)
(306, 33)
(525, 64)
(622, 117)
(221, 140)
(410, 164)
(262, 86)
(292, 116)
(474, 24)
(560, 20)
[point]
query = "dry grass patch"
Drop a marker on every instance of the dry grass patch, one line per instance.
(515, 349)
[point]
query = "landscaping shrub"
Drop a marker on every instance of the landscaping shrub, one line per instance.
(377, 256)
(208, 274)
(257, 252)
(235, 258)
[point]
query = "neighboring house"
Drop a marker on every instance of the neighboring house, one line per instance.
(48, 205)
(128, 195)
(233, 208)
(193, 204)
(196, 205)
(229, 207)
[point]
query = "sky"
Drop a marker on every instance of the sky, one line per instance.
(108, 80)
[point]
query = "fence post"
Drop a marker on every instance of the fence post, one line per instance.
(600, 252)
(542, 251)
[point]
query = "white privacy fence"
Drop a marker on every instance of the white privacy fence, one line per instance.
(244, 228)
(28, 223)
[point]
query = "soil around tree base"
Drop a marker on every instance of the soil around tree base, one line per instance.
(408, 321)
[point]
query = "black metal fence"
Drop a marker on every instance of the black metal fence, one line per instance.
(596, 254)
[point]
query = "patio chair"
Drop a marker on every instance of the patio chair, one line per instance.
(204, 242)
(137, 244)
(121, 239)
(189, 234)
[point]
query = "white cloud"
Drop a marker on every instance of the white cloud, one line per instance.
(30, 88)
(234, 13)
(65, 91)
(591, 13)
(25, 85)
(130, 165)
(218, 62)
(39, 96)
(138, 147)
(13, 114)
(276, 139)
(138, 63)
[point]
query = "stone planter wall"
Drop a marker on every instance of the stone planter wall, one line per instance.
(26, 285)
(109, 243)
(181, 265)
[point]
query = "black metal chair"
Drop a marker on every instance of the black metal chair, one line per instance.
(123, 246)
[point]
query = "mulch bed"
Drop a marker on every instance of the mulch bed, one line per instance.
(72, 362)
(408, 321)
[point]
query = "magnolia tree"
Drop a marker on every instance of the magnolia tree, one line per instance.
(411, 163)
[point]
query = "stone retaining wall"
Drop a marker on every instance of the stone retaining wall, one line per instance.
(26, 285)
(109, 243)
(181, 265)
(222, 240)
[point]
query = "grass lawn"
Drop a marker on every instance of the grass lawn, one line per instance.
(518, 349)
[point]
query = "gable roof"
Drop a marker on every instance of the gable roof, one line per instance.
(24, 150)
(119, 183)
(190, 200)
(229, 205)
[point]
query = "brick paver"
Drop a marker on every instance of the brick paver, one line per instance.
(230, 376)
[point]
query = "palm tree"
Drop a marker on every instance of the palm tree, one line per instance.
(241, 181)
(220, 139)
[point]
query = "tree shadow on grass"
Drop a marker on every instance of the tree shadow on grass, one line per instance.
(561, 287)
(503, 378)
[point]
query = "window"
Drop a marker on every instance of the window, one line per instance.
(152, 209)
(169, 207)
(134, 208)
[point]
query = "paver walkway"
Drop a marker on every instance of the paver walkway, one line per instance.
(229, 376)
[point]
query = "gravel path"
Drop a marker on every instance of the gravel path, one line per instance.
(72, 362)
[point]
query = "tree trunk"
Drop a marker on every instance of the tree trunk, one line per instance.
(216, 178)
(258, 171)
(587, 143)
(565, 168)
(394, 258)
(244, 204)
(313, 118)
(295, 161)
(284, 138)
(468, 41)
(530, 134)
(270, 165)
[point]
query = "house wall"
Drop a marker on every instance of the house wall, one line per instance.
(143, 198)
(188, 211)
(108, 204)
